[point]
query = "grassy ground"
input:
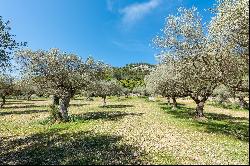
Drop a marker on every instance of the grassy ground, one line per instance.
(127, 131)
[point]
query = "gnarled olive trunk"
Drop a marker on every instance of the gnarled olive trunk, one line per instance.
(29, 97)
(104, 100)
(174, 103)
(63, 108)
(55, 100)
(3, 102)
(200, 105)
(200, 108)
(168, 100)
(243, 103)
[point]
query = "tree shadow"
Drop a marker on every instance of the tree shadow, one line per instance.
(24, 106)
(78, 99)
(238, 127)
(13, 103)
(121, 99)
(21, 112)
(78, 105)
(166, 104)
(114, 115)
(116, 106)
(39, 99)
(54, 148)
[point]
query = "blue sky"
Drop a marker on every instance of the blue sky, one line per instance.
(115, 31)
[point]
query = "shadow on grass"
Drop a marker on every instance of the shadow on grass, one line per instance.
(13, 103)
(237, 127)
(54, 148)
(39, 99)
(24, 106)
(78, 99)
(20, 112)
(166, 104)
(123, 99)
(116, 106)
(114, 115)
(78, 105)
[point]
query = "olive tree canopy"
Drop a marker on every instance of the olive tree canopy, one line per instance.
(104, 88)
(6, 87)
(185, 42)
(7, 44)
(61, 74)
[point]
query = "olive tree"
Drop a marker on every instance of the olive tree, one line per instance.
(165, 81)
(185, 41)
(7, 44)
(104, 88)
(222, 94)
(141, 90)
(27, 87)
(229, 30)
(61, 74)
(230, 25)
(126, 91)
(241, 94)
(6, 87)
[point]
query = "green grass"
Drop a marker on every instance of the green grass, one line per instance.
(126, 131)
(232, 106)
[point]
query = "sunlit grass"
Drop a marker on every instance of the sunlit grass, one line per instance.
(126, 131)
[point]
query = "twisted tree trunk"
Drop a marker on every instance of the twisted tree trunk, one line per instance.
(243, 103)
(63, 108)
(168, 100)
(104, 100)
(29, 97)
(3, 102)
(199, 109)
(55, 100)
(200, 105)
(174, 103)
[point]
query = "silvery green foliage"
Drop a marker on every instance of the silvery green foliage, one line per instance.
(242, 90)
(6, 85)
(103, 88)
(7, 44)
(185, 42)
(141, 90)
(230, 25)
(125, 91)
(165, 81)
(222, 93)
(27, 87)
(59, 73)
(229, 30)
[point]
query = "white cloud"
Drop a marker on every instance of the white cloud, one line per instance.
(137, 11)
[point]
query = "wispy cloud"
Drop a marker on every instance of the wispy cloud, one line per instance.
(137, 11)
